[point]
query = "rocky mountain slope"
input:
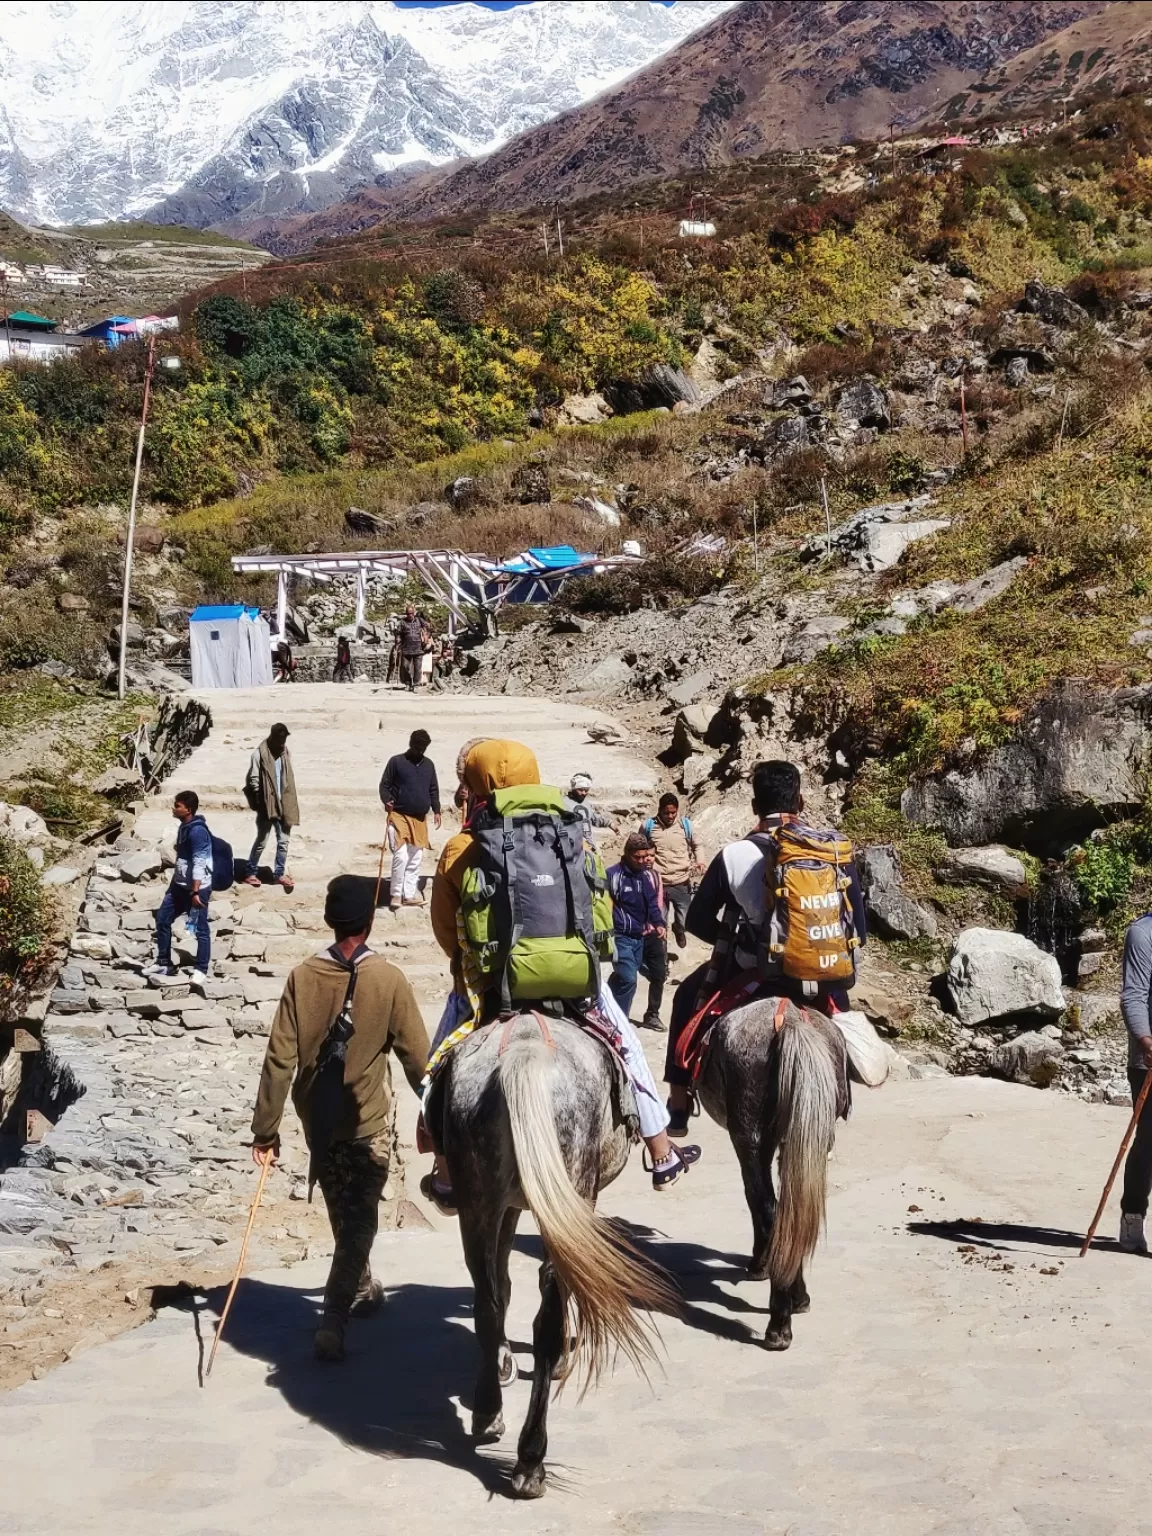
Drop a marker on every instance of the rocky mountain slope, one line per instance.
(198, 111)
(764, 77)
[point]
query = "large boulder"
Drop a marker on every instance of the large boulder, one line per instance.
(22, 824)
(993, 974)
(864, 403)
(875, 537)
(660, 385)
(1028, 1058)
(583, 411)
(815, 636)
(1078, 761)
(891, 911)
(996, 867)
(1052, 306)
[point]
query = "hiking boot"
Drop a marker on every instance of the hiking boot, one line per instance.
(664, 1175)
(369, 1299)
(652, 1021)
(1132, 1238)
(328, 1341)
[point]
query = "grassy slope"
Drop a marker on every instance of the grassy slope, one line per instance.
(132, 233)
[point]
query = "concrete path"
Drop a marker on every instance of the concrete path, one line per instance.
(961, 1372)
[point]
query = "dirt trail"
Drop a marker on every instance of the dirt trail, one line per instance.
(961, 1372)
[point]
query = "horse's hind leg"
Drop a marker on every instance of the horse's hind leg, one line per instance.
(482, 1254)
(756, 1170)
(528, 1478)
(506, 1359)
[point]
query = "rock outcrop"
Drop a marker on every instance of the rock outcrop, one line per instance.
(1078, 761)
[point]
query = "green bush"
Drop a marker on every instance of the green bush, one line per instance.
(1103, 872)
(24, 918)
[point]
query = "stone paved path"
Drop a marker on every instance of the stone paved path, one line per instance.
(961, 1372)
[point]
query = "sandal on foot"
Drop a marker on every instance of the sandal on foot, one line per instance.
(439, 1195)
(664, 1178)
(252, 880)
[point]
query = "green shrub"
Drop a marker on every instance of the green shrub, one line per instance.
(24, 919)
(1103, 872)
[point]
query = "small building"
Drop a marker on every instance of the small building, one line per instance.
(11, 273)
(117, 329)
(28, 338)
(230, 646)
(60, 277)
(698, 229)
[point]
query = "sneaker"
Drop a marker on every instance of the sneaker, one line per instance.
(328, 1340)
(1132, 1238)
(682, 1160)
(161, 968)
(652, 1021)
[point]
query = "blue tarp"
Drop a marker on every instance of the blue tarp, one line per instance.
(208, 611)
(556, 557)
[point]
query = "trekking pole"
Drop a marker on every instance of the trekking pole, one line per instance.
(265, 1169)
(380, 875)
(1128, 1134)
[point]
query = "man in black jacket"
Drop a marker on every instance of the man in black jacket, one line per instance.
(409, 790)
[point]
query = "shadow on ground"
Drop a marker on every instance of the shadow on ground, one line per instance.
(1008, 1236)
(393, 1395)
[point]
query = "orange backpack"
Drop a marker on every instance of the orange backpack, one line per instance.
(809, 932)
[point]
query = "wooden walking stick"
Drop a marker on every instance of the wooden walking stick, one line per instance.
(265, 1169)
(1128, 1134)
(380, 874)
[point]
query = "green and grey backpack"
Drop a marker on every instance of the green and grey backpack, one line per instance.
(535, 904)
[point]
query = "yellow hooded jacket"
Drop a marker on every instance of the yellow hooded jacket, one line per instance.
(488, 766)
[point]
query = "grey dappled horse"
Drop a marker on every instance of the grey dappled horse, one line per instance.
(527, 1121)
(779, 1089)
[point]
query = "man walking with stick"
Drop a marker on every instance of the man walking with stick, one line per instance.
(1135, 995)
(343, 1012)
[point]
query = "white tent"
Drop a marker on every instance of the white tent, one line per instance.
(230, 647)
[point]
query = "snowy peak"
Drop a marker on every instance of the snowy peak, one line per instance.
(208, 109)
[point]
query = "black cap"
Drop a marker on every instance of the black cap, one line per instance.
(351, 902)
(279, 729)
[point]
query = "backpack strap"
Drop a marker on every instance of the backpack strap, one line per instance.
(328, 1089)
(515, 917)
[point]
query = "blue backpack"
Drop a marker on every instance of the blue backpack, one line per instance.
(685, 822)
(223, 865)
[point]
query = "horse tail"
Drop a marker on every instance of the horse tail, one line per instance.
(807, 1100)
(600, 1273)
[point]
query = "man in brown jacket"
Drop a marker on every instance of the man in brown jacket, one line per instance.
(270, 789)
(351, 1145)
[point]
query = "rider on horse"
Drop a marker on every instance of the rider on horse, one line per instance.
(490, 766)
(728, 912)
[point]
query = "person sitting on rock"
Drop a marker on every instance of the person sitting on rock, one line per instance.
(349, 1132)
(728, 912)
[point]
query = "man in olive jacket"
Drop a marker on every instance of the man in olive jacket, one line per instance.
(355, 1148)
(270, 789)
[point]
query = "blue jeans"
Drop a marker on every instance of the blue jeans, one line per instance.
(263, 827)
(633, 954)
(175, 904)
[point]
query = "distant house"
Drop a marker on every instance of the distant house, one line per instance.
(120, 328)
(11, 273)
(60, 277)
(28, 338)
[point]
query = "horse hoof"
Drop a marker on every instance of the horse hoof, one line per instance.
(508, 1369)
(777, 1339)
(487, 1427)
(803, 1305)
(758, 1271)
(529, 1482)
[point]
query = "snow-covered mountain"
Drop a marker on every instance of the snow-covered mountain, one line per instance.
(201, 110)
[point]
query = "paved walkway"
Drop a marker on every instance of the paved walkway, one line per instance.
(961, 1372)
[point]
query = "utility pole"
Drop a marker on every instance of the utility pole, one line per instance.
(544, 232)
(560, 238)
(129, 541)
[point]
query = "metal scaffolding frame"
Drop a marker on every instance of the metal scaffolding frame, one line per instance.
(473, 587)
